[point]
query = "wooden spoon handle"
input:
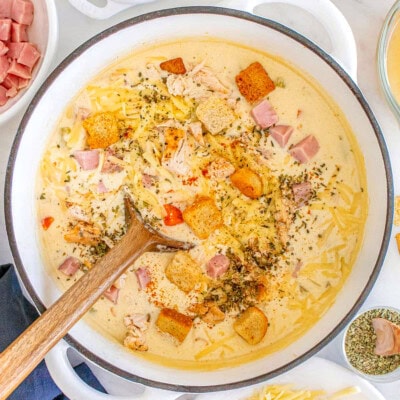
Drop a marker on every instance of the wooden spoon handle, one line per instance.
(25, 353)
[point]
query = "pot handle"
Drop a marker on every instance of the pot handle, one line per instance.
(344, 49)
(75, 388)
(111, 7)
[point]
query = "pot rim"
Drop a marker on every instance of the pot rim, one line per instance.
(257, 20)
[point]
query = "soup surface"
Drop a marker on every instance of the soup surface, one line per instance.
(228, 148)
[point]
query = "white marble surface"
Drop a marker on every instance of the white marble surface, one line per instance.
(365, 17)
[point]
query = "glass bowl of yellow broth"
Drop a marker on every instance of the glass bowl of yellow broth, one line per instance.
(389, 58)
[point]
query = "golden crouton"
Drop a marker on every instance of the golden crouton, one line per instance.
(102, 130)
(248, 182)
(173, 322)
(183, 271)
(215, 114)
(203, 217)
(251, 325)
(254, 82)
(175, 66)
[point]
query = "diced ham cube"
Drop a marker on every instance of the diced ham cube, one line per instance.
(143, 277)
(3, 48)
(87, 159)
(28, 55)
(23, 83)
(264, 115)
(19, 70)
(387, 337)
(14, 49)
(3, 95)
(302, 193)
(147, 180)
(217, 266)
(70, 266)
(18, 32)
(4, 68)
(112, 294)
(281, 134)
(305, 150)
(22, 11)
(109, 165)
(5, 29)
(5, 8)
(101, 187)
(12, 92)
(11, 81)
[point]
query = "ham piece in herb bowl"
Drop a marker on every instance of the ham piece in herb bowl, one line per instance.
(28, 37)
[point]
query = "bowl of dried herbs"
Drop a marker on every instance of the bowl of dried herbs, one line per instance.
(371, 344)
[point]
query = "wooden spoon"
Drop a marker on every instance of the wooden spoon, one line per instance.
(25, 353)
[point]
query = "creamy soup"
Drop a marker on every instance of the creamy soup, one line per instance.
(223, 146)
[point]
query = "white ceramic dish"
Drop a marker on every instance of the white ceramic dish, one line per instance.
(315, 374)
(246, 29)
(44, 33)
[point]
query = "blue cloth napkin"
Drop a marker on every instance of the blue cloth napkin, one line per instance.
(16, 314)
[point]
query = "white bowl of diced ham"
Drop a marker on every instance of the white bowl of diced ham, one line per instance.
(28, 36)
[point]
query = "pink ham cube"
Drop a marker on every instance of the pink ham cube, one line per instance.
(305, 150)
(19, 70)
(3, 95)
(3, 48)
(22, 11)
(217, 266)
(14, 49)
(112, 294)
(12, 92)
(281, 134)
(18, 32)
(143, 277)
(5, 8)
(87, 159)
(4, 67)
(28, 55)
(11, 81)
(264, 115)
(23, 83)
(5, 29)
(302, 193)
(69, 266)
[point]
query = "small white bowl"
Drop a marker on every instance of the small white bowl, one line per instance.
(44, 34)
(378, 378)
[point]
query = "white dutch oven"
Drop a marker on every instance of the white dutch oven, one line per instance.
(81, 66)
